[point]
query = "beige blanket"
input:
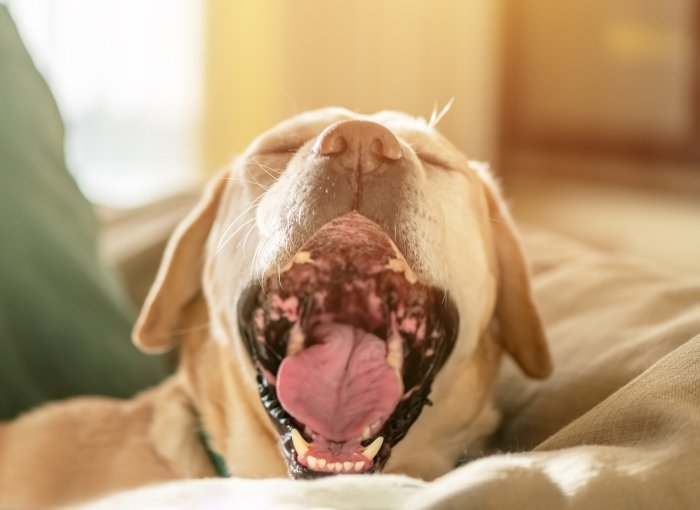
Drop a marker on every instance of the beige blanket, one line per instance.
(616, 426)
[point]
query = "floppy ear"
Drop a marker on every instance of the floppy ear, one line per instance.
(518, 322)
(179, 277)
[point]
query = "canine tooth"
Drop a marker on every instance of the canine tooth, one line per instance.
(338, 467)
(359, 465)
(394, 354)
(366, 433)
(401, 266)
(296, 340)
(311, 461)
(347, 465)
(300, 445)
(321, 463)
(301, 257)
(393, 357)
(371, 451)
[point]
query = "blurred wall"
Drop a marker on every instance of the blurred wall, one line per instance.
(266, 60)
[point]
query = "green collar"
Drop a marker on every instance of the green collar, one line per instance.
(216, 460)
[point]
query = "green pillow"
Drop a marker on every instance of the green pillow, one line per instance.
(64, 321)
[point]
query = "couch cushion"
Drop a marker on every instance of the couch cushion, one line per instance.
(616, 426)
(609, 317)
(64, 321)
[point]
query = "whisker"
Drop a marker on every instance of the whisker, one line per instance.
(268, 169)
(223, 244)
(254, 262)
(245, 239)
(233, 222)
(433, 114)
(435, 117)
(256, 183)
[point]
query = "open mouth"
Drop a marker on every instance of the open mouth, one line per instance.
(346, 342)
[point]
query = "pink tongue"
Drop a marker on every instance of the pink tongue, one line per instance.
(340, 385)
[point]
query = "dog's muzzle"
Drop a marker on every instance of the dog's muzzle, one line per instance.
(346, 342)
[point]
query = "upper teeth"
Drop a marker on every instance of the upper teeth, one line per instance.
(296, 340)
(400, 265)
(371, 451)
(394, 348)
(301, 257)
(394, 353)
(300, 445)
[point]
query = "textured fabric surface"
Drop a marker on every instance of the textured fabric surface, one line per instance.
(616, 426)
(609, 318)
(64, 322)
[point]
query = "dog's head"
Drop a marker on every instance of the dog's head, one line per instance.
(346, 272)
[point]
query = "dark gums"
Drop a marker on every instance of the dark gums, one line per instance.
(349, 272)
(418, 373)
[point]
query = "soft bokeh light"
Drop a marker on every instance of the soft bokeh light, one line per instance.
(570, 102)
(126, 75)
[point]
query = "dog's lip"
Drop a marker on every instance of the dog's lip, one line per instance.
(308, 464)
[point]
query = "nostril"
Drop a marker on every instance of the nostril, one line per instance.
(389, 149)
(330, 144)
(366, 140)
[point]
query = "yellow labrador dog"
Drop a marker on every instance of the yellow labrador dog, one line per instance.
(340, 297)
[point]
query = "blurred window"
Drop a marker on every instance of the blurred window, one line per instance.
(604, 78)
(126, 76)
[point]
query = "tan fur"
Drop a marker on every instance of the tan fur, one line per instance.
(463, 241)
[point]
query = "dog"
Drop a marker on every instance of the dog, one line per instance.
(340, 297)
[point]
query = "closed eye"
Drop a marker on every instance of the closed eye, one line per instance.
(431, 159)
(285, 145)
(284, 149)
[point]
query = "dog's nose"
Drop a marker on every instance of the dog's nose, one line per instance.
(359, 144)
